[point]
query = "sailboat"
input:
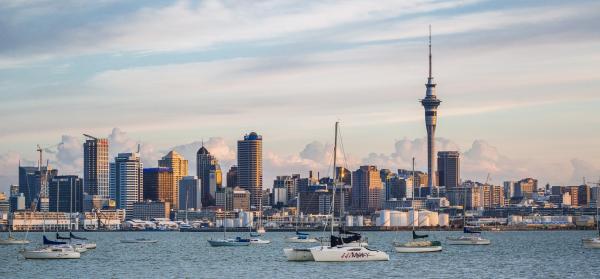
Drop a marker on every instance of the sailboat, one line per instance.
(300, 237)
(594, 242)
(11, 240)
(238, 241)
(471, 235)
(51, 249)
(417, 245)
(337, 251)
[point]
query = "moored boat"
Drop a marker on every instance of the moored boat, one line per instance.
(139, 240)
(52, 252)
(238, 241)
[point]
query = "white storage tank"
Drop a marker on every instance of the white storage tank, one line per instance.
(359, 221)
(229, 223)
(423, 218)
(238, 222)
(349, 220)
(219, 223)
(444, 219)
(403, 219)
(384, 218)
(395, 217)
(413, 218)
(434, 219)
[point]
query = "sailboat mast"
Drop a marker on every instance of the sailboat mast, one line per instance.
(334, 175)
(413, 174)
(297, 210)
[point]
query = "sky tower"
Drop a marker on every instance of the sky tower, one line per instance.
(430, 103)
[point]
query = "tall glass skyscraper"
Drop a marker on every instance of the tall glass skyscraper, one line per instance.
(95, 167)
(250, 166)
(127, 180)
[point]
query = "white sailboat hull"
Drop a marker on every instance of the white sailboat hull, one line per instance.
(298, 255)
(227, 242)
(593, 243)
(138, 241)
(50, 253)
(13, 241)
(468, 240)
(348, 254)
(425, 249)
(295, 239)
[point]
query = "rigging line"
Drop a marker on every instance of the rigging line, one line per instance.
(343, 151)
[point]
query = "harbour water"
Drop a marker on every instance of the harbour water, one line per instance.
(529, 254)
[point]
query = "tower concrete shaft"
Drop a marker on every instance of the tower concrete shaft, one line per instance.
(430, 103)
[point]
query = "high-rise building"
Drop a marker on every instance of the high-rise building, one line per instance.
(250, 167)
(95, 167)
(367, 189)
(148, 210)
(66, 193)
(158, 185)
(209, 173)
(233, 199)
(525, 187)
(14, 190)
(448, 168)
(127, 181)
(430, 103)
(179, 167)
(289, 183)
(190, 193)
(232, 177)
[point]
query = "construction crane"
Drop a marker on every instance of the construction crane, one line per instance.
(487, 179)
(90, 137)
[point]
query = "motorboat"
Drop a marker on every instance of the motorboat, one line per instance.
(52, 252)
(139, 240)
(256, 240)
(238, 241)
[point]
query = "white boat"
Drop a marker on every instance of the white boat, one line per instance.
(475, 239)
(256, 240)
(299, 254)
(301, 239)
(261, 230)
(347, 254)
(421, 246)
(139, 240)
(52, 252)
(238, 241)
(10, 240)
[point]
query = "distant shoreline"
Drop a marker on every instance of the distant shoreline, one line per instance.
(359, 229)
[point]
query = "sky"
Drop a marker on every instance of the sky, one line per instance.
(519, 83)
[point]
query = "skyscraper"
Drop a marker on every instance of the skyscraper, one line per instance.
(207, 164)
(430, 103)
(232, 177)
(66, 193)
(127, 180)
(95, 167)
(190, 193)
(449, 169)
(250, 167)
(30, 179)
(158, 185)
(179, 168)
(367, 189)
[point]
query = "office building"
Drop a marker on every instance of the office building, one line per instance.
(66, 193)
(448, 165)
(250, 167)
(148, 210)
(31, 182)
(127, 181)
(209, 173)
(158, 185)
(96, 167)
(232, 177)
(179, 168)
(17, 203)
(367, 189)
(190, 193)
(289, 183)
(233, 199)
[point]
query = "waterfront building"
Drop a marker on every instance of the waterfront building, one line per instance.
(232, 177)
(448, 164)
(209, 173)
(127, 180)
(39, 221)
(250, 167)
(103, 219)
(158, 185)
(367, 189)
(148, 210)
(32, 180)
(179, 168)
(190, 193)
(96, 167)
(66, 193)
(233, 199)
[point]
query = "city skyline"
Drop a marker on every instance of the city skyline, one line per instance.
(523, 117)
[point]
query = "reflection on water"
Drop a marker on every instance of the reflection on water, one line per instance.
(540, 254)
